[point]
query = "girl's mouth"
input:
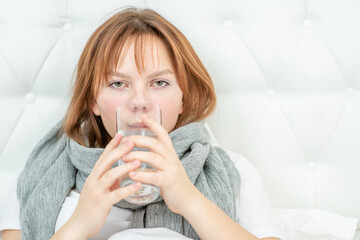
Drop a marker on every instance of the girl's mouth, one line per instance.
(138, 125)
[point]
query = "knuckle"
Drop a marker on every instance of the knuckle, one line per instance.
(155, 157)
(151, 176)
(119, 194)
(128, 167)
(131, 155)
(122, 150)
(129, 189)
(125, 191)
(157, 179)
(109, 175)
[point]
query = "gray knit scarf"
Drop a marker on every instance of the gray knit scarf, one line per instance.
(57, 164)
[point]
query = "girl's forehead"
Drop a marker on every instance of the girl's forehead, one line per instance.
(144, 52)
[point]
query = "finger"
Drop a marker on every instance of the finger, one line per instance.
(114, 143)
(111, 145)
(153, 144)
(150, 158)
(159, 131)
(120, 172)
(121, 193)
(106, 161)
(148, 177)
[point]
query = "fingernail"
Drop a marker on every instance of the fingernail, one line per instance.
(132, 173)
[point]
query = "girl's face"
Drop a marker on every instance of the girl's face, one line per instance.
(156, 83)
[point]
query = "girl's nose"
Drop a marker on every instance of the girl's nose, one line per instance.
(139, 92)
(140, 105)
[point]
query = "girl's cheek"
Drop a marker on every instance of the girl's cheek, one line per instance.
(111, 103)
(170, 118)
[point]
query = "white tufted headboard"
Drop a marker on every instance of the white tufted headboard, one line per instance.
(287, 74)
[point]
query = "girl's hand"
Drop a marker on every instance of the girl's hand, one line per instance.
(175, 186)
(101, 189)
(180, 195)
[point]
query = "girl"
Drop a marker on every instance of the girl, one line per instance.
(206, 192)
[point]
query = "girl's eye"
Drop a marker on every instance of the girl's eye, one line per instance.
(160, 83)
(117, 84)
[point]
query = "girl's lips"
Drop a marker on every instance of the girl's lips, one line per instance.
(138, 125)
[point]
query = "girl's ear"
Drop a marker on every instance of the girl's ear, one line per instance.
(95, 109)
(181, 108)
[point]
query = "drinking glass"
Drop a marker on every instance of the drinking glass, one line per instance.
(128, 122)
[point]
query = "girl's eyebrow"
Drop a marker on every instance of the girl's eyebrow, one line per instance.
(151, 75)
(119, 74)
(159, 73)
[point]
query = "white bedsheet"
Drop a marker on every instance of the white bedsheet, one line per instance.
(148, 234)
(357, 235)
(315, 224)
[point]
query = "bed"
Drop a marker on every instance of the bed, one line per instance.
(287, 77)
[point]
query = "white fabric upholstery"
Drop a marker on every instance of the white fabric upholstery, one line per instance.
(286, 73)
